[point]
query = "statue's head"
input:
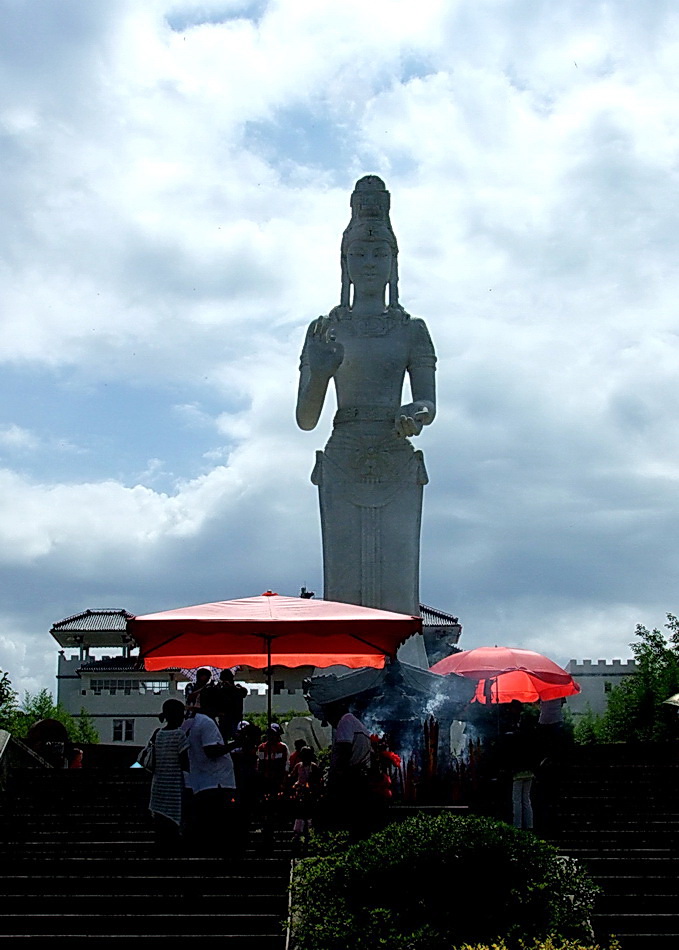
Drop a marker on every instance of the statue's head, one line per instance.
(370, 223)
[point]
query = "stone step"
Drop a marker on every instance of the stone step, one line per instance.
(111, 855)
(635, 923)
(242, 941)
(180, 924)
(160, 901)
(591, 819)
(616, 810)
(148, 864)
(601, 866)
(249, 886)
(617, 841)
(77, 861)
(634, 884)
(639, 940)
(646, 902)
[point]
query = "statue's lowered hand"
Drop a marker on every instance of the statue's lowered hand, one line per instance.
(411, 418)
(325, 353)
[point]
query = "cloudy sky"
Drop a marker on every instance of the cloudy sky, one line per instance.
(175, 182)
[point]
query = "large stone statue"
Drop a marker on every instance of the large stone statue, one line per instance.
(369, 477)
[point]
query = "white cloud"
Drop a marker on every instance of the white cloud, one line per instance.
(16, 438)
(178, 178)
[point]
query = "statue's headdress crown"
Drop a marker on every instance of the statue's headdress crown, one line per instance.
(370, 221)
(370, 203)
(370, 199)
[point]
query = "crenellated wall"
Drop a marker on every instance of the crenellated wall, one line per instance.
(596, 679)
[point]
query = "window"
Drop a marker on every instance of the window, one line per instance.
(128, 686)
(608, 687)
(123, 730)
(278, 687)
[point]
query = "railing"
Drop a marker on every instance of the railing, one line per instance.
(16, 754)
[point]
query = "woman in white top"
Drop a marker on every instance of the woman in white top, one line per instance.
(170, 760)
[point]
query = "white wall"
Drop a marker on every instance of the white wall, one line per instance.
(143, 708)
(595, 681)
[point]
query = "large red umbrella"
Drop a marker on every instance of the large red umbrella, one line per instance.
(270, 630)
(507, 673)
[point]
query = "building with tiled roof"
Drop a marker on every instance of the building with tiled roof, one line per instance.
(116, 692)
(441, 633)
(98, 627)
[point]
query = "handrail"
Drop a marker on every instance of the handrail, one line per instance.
(16, 754)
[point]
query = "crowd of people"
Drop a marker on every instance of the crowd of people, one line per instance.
(214, 772)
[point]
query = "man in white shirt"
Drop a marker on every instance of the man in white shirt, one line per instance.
(350, 800)
(351, 746)
(212, 781)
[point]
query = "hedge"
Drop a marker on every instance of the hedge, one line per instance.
(433, 883)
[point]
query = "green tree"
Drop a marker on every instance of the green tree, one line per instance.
(282, 718)
(85, 732)
(41, 705)
(18, 718)
(588, 728)
(8, 704)
(636, 710)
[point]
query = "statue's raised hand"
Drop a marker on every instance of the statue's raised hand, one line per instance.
(325, 354)
(410, 418)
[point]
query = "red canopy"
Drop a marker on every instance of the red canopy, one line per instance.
(507, 673)
(297, 631)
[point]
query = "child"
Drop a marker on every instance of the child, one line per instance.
(294, 756)
(305, 783)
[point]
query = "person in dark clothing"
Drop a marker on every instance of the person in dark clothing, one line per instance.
(244, 757)
(520, 757)
(193, 690)
(294, 755)
(228, 698)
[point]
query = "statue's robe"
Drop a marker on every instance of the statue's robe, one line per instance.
(370, 479)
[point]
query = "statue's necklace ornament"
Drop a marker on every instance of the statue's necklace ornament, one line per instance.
(377, 324)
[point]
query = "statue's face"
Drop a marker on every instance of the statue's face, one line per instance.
(369, 264)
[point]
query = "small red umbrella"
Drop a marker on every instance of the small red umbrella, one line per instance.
(507, 673)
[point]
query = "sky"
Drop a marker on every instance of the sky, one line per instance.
(175, 182)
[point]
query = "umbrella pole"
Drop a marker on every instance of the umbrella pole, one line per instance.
(497, 705)
(269, 673)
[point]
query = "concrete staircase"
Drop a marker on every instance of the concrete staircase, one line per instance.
(618, 813)
(77, 860)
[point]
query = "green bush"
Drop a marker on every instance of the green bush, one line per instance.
(589, 728)
(428, 883)
(260, 720)
(548, 943)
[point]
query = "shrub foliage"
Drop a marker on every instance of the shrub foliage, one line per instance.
(429, 883)
(547, 943)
